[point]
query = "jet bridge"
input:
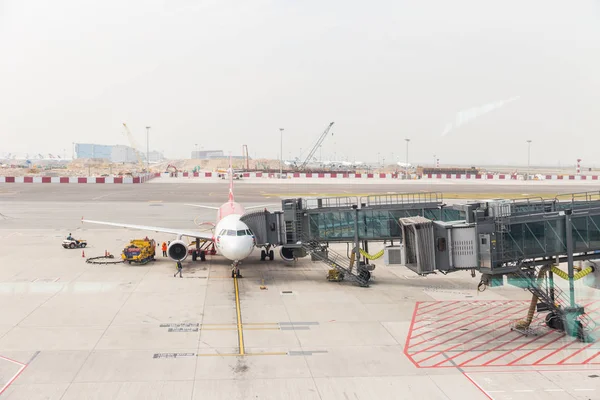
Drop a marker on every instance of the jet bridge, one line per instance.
(521, 239)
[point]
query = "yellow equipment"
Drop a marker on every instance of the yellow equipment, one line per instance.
(135, 148)
(140, 251)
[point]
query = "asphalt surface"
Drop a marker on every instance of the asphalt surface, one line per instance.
(216, 192)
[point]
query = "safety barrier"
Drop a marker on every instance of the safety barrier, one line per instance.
(78, 179)
(510, 177)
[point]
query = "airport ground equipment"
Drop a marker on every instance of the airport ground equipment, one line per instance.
(139, 251)
(74, 244)
(316, 146)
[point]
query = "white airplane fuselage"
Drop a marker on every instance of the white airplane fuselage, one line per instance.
(233, 238)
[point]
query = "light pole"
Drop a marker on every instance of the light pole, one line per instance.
(280, 152)
(407, 141)
(147, 149)
(528, 157)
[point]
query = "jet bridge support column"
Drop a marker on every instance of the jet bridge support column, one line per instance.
(573, 325)
(356, 240)
(569, 234)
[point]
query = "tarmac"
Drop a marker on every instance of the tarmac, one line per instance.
(71, 330)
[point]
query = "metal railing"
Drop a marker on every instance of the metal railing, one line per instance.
(330, 202)
(401, 199)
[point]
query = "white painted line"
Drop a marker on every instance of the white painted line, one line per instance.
(478, 386)
(554, 390)
(583, 390)
(100, 197)
(523, 391)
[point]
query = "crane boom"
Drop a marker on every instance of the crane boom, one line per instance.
(316, 147)
(134, 146)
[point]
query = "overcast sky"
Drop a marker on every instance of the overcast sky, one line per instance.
(225, 73)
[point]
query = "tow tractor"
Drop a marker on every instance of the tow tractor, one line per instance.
(139, 251)
(74, 244)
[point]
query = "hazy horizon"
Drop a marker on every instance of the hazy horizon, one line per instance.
(468, 81)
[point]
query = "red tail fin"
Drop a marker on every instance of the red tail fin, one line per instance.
(230, 179)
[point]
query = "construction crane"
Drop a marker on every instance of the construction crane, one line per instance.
(316, 147)
(134, 146)
(245, 155)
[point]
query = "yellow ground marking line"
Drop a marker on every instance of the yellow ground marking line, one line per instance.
(247, 354)
(239, 316)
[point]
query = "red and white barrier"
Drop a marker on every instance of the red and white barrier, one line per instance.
(510, 177)
(78, 179)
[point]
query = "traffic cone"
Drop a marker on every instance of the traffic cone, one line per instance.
(83, 253)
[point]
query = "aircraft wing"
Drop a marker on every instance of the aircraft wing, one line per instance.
(182, 232)
(202, 206)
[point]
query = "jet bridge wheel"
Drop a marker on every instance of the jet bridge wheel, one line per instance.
(365, 275)
(271, 255)
(263, 255)
(553, 321)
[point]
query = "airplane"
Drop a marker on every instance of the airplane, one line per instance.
(404, 165)
(232, 237)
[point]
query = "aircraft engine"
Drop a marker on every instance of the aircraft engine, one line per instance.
(287, 254)
(178, 250)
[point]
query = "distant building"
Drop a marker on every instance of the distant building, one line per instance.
(207, 154)
(155, 156)
(124, 154)
(84, 150)
(114, 153)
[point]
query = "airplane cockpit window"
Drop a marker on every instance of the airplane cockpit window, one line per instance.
(230, 232)
(249, 232)
(242, 232)
(223, 231)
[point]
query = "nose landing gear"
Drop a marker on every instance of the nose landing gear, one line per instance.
(235, 271)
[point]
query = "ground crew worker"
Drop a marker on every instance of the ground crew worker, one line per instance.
(179, 268)
(164, 249)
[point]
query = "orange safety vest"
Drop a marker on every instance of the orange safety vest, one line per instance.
(164, 247)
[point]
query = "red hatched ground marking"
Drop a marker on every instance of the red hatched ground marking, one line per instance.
(447, 334)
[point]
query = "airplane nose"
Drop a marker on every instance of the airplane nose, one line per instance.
(238, 249)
